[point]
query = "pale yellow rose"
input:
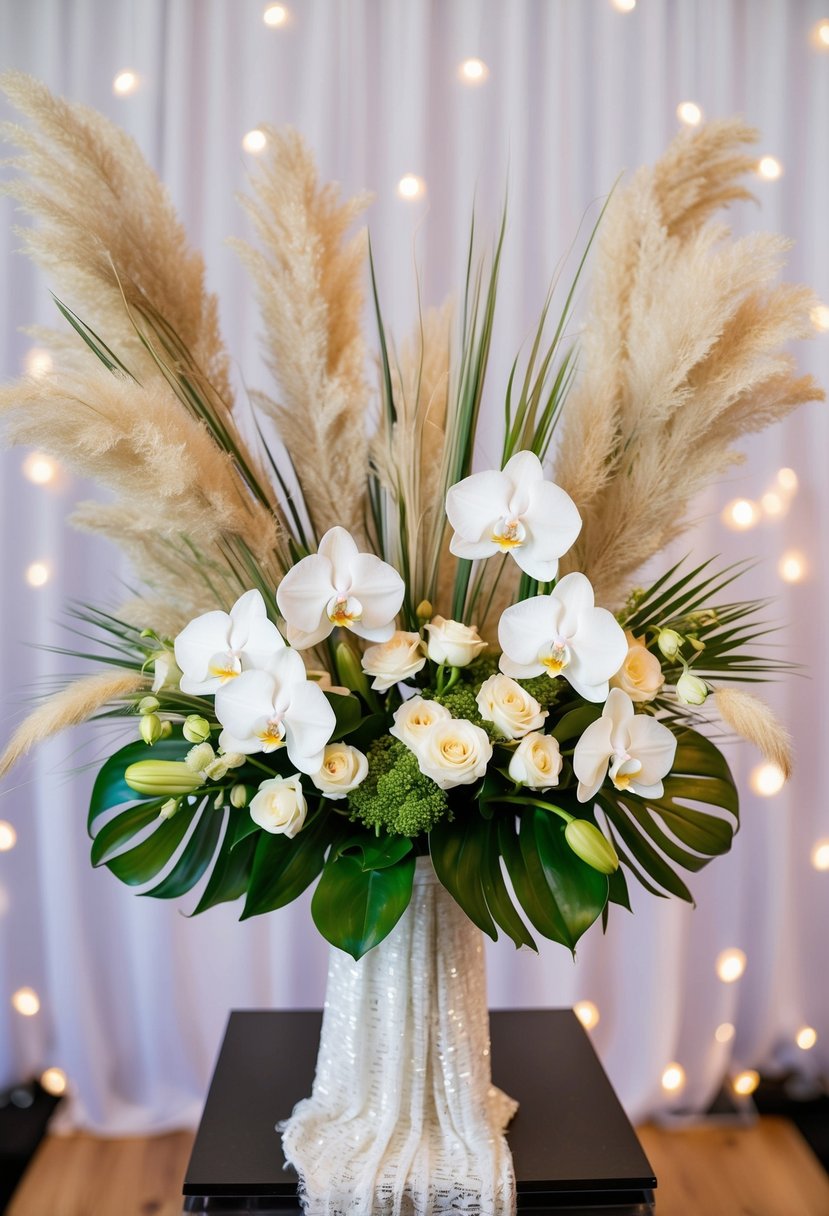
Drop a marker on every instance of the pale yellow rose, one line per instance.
(394, 661)
(640, 676)
(343, 768)
(510, 707)
(453, 643)
(279, 806)
(454, 752)
(415, 718)
(536, 762)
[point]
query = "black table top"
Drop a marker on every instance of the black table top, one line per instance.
(570, 1138)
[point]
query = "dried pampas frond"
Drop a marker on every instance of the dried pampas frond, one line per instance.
(753, 720)
(308, 278)
(108, 234)
(407, 453)
(69, 707)
(665, 393)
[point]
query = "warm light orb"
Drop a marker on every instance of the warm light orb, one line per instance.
(587, 1013)
(39, 468)
(806, 1038)
(769, 168)
(820, 855)
(410, 186)
(792, 567)
(53, 1080)
(37, 574)
(275, 15)
(730, 965)
(689, 113)
(26, 1001)
(473, 71)
(724, 1032)
(767, 779)
(746, 1082)
(37, 362)
(787, 480)
(8, 836)
(819, 316)
(125, 82)
(624, 6)
(673, 1078)
(772, 504)
(820, 35)
(254, 141)
(741, 514)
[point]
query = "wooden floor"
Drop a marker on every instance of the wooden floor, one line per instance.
(766, 1170)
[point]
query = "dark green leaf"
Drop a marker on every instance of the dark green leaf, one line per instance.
(122, 828)
(195, 858)
(283, 868)
(458, 851)
(574, 723)
(347, 711)
(575, 889)
(376, 852)
(354, 909)
(498, 898)
(651, 861)
(110, 788)
(234, 861)
(149, 858)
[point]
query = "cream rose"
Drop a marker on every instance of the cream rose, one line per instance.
(415, 718)
(279, 806)
(394, 661)
(454, 753)
(453, 643)
(536, 762)
(510, 707)
(343, 769)
(640, 676)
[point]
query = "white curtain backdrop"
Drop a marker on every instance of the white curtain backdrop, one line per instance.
(134, 996)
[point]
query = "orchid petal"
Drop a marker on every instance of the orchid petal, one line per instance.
(380, 590)
(472, 549)
(263, 642)
(553, 518)
(527, 559)
(288, 670)
(475, 504)
(523, 469)
(598, 650)
(575, 594)
(520, 671)
(301, 639)
(652, 792)
(309, 724)
(244, 706)
(380, 634)
(248, 608)
(652, 743)
(525, 627)
(591, 757)
(196, 645)
(340, 549)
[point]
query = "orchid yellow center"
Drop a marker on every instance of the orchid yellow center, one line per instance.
(225, 667)
(273, 736)
(623, 770)
(555, 657)
(508, 534)
(344, 610)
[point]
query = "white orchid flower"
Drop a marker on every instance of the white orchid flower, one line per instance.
(262, 711)
(338, 585)
(563, 633)
(219, 646)
(638, 751)
(515, 511)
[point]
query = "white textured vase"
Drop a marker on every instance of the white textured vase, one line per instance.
(403, 1117)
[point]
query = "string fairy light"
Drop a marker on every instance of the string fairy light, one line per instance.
(689, 113)
(37, 362)
(54, 1081)
(767, 779)
(8, 836)
(673, 1078)
(787, 480)
(740, 514)
(819, 316)
(473, 71)
(806, 1038)
(773, 504)
(792, 567)
(587, 1013)
(624, 6)
(820, 35)
(730, 964)
(411, 186)
(276, 15)
(39, 468)
(724, 1032)
(125, 83)
(254, 141)
(820, 855)
(26, 1002)
(769, 168)
(746, 1082)
(38, 574)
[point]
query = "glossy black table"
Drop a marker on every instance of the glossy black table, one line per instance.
(573, 1147)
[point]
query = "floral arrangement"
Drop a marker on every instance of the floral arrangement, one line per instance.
(353, 647)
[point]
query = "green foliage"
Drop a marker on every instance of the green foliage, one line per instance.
(355, 908)
(547, 691)
(395, 796)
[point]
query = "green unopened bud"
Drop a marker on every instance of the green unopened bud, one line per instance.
(150, 728)
(170, 807)
(156, 777)
(166, 729)
(423, 612)
(196, 729)
(148, 705)
(588, 843)
(690, 689)
(239, 796)
(199, 758)
(349, 671)
(669, 642)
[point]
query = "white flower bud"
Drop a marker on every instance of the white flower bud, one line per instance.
(150, 728)
(690, 689)
(669, 642)
(196, 729)
(199, 757)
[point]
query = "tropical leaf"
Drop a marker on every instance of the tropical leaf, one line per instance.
(284, 868)
(231, 872)
(111, 790)
(355, 909)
